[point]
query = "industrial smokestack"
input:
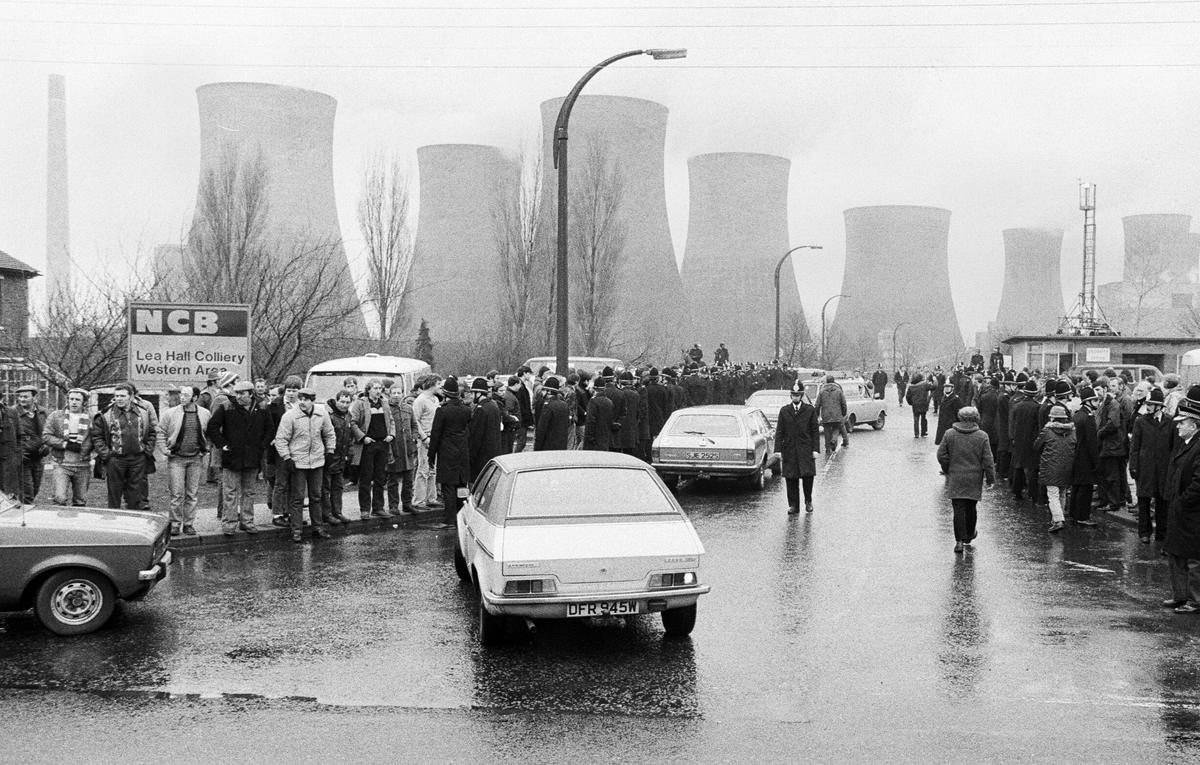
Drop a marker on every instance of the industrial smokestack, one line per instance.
(897, 271)
(1159, 247)
(650, 316)
(291, 129)
(58, 229)
(737, 232)
(454, 283)
(1031, 300)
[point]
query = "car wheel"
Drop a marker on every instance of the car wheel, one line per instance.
(672, 481)
(757, 480)
(75, 601)
(491, 626)
(853, 422)
(878, 424)
(679, 622)
(460, 565)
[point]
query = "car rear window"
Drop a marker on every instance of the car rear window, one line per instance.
(769, 401)
(706, 425)
(571, 492)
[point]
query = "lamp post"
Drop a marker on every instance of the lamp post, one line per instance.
(895, 368)
(824, 346)
(560, 162)
(779, 266)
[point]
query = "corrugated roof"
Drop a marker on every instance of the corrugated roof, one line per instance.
(9, 263)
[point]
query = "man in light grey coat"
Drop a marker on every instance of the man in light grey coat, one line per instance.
(305, 435)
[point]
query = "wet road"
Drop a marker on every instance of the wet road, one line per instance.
(853, 633)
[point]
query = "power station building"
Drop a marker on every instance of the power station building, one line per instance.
(454, 282)
(629, 134)
(737, 232)
(1031, 300)
(291, 130)
(898, 281)
(1158, 293)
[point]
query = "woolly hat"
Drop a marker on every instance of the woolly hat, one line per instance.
(227, 379)
(551, 383)
(1059, 412)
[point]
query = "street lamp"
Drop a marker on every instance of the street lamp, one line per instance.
(779, 266)
(894, 331)
(824, 346)
(560, 162)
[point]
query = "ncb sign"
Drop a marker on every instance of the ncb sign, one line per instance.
(187, 343)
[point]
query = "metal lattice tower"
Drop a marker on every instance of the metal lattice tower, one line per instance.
(1084, 318)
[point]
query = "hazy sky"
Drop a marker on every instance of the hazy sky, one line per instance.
(990, 109)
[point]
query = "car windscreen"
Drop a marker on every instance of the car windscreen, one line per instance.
(706, 425)
(583, 491)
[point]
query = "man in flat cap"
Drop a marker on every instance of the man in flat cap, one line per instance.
(31, 421)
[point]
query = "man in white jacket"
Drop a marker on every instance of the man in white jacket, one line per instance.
(305, 435)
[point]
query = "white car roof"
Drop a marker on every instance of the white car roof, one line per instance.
(371, 363)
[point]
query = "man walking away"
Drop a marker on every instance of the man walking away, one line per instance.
(183, 433)
(66, 435)
(241, 432)
(917, 397)
(831, 411)
(304, 437)
(966, 458)
(1055, 450)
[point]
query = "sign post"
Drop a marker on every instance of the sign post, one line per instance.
(187, 343)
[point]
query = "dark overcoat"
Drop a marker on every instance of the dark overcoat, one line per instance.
(1024, 432)
(628, 417)
(553, 425)
(599, 432)
(1150, 454)
(796, 438)
(449, 449)
(918, 396)
(1003, 437)
(483, 435)
(947, 416)
(246, 433)
(10, 453)
(1183, 493)
(1111, 429)
(1087, 447)
(1055, 448)
(659, 406)
(989, 406)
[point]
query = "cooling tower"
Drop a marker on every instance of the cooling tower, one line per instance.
(58, 242)
(737, 232)
(454, 283)
(1159, 248)
(291, 129)
(1031, 301)
(650, 318)
(897, 271)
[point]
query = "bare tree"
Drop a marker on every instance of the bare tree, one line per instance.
(294, 284)
(797, 341)
(80, 340)
(597, 242)
(383, 221)
(524, 267)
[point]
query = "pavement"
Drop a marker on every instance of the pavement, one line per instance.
(210, 538)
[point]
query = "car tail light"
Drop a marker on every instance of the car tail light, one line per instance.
(750, 455)
(655, 454)
(674, 579)
(529, 587)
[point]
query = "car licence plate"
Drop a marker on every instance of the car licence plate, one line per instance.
(603, 608)
(702, 456)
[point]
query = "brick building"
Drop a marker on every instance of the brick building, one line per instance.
(14, 331)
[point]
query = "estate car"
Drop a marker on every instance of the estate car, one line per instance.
(715, 441)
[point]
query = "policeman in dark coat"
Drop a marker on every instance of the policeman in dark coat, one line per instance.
(483, 432)
(1149, 456)
(988, 404)
(679, 397)
(1003, 437)
(554, 422)
(797, 438)
(1024, 424)
(1183, 524)
(600, 423)
(659, 403)
(1087, 458)
(449, 447)
(949, 413)
(628, 414)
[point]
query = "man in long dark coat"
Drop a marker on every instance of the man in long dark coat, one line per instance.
(797, 437)
(1003, 436)
(449, 449)
(627, 414)
(659, 404)
(988, 404)
(1087, 458)
(1149, 456)
(554, 421)
(879, 381)
(948, 414)
(1183, 524)
(484, 439)
(599, 433)
(1024, 423)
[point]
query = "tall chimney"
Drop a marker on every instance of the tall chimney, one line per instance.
(58, 229)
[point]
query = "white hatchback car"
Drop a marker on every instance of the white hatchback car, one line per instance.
(716, 441)
(562, 534)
